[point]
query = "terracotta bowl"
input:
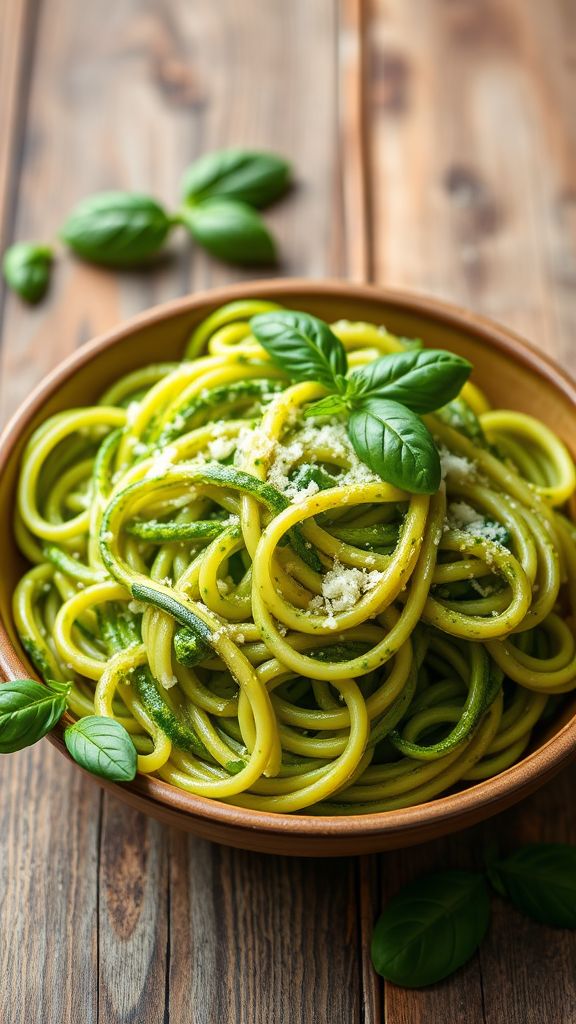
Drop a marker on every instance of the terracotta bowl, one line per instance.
(513, 374)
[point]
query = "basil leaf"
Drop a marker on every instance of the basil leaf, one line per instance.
(28, 711)
(26, 269)
(421, 379)
(103, 747)
(117, 228)
(329, 406)
(249, 176)
(430, 928)
(396, 444)
(230, 230)
(302, 345)
(540, 880)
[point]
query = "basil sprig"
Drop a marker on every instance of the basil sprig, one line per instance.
(230, 230)
(246, 175)
(28, 711)
(117, 228)
(431, 928)
(383, 400)
(222, 192)
(103, 747)
(26, 267)
(435, 924)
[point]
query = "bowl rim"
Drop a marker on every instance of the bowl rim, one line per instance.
(507, 786)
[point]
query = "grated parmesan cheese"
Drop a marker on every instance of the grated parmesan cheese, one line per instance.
(221, 447)
(462, 516)
(254, 442)
(162, 461)
(456, 466)
(342, 588)
(329, 437)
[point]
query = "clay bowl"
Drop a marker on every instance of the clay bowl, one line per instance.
(512, 373)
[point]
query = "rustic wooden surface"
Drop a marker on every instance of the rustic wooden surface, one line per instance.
(435, 144)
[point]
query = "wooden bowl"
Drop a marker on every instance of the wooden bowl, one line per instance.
(512, 373)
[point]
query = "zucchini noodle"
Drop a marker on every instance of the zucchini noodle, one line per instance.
(273, 624)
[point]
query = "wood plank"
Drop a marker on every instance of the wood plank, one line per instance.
(49, 835)
(16, 47)
(186, 931)
(472, 169)
(273, 940)
(473, 146)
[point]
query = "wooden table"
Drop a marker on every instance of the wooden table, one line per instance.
(463, 185)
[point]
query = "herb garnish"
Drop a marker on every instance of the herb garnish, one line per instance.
(29, 710)
(383, 400)
(221, 194)
(26, 268)
(433, 925)
(102, 746)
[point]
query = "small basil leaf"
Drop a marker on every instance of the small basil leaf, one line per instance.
(248, 176)
(329, 406)
(302, 345)
(26, 269)
(540, 880)
(421, 379)
(117, 228)
(396, 444)
(431, 928)
(28, 711)
(103, 747)
(235, 767)
(230, 230)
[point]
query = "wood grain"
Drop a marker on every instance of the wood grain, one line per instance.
(179, 930)
(17, 23)
(467, 190)
(49, 840)
(473, 145)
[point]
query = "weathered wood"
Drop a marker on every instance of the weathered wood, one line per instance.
(49, 840)
(473, 143)
(178, 929)
(473, 157)
(261, 939)
(105, 917)
(16, 49)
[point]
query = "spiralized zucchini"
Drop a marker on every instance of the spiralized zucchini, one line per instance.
(274, 625)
